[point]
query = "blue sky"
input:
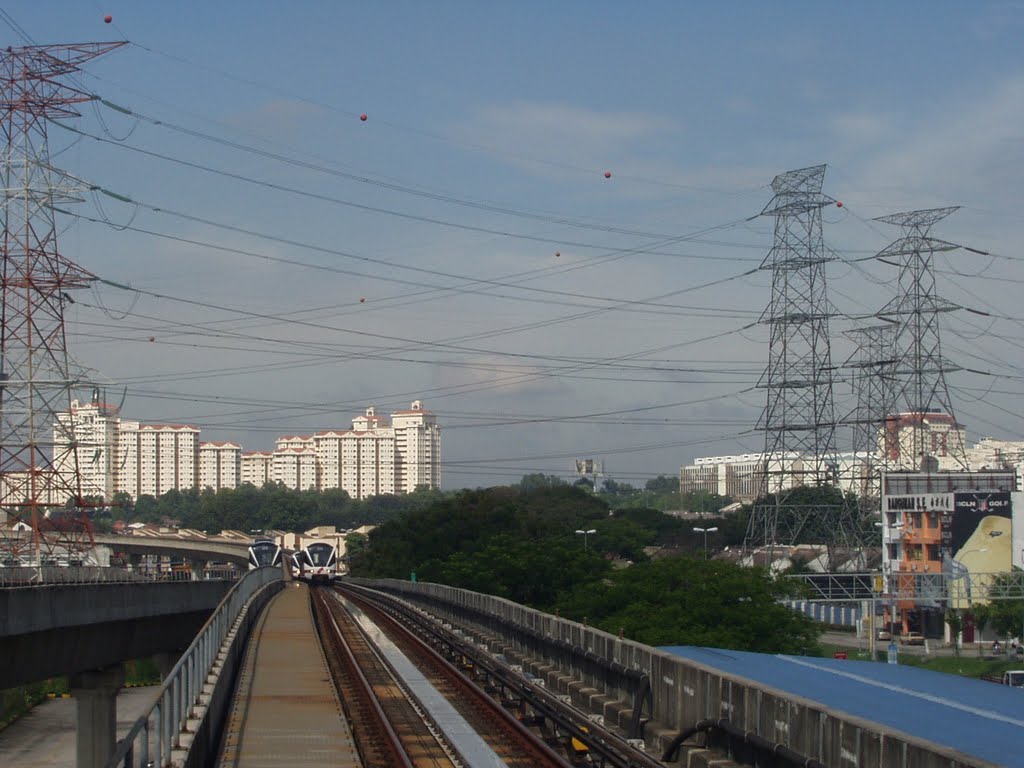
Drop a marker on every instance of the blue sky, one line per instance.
(499, 121)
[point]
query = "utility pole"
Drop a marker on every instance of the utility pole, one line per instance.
(35, 379)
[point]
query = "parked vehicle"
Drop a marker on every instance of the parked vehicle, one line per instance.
(912, 638)
(1014, 678)
(884, 634)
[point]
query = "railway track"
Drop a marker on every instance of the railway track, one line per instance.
(395, 728)
(572, 733)
(389, 731)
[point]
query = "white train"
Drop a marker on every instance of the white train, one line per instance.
(264, 552)
(317, 562)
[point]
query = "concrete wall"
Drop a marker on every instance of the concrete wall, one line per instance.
(608, 675)
(61, 630)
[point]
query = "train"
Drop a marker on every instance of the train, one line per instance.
(265, 552)
(317, 562)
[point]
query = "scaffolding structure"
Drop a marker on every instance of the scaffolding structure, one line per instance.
(43, 517)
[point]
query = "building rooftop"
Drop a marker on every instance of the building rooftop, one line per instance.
(978, 718)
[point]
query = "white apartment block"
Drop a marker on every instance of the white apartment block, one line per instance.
(156, 458)
(86, 436)
(417, 449)
(376, 456)
(219, 465)
(295, 468)
(257, 468)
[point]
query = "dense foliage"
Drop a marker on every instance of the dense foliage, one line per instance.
(524, 543)
(686, 601)
(248, 508)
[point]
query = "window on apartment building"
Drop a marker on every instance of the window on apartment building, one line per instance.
(915, 552)
(932, 551)
(933, 519)
(918, 520)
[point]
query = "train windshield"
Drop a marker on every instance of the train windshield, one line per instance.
(321, 555)
(264, 553)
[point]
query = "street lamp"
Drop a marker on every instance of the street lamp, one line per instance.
(705, 531)
(585, 534)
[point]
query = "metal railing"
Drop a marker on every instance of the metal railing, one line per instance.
(48, 575)
(903, 585)
(156, 733)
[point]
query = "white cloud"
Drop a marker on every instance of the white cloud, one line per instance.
(565, 133)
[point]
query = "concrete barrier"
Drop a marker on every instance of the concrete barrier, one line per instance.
(62, 630)
(655, 695)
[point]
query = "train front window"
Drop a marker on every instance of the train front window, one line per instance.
(320, 554)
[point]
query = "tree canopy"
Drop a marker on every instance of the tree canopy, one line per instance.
(523, 543)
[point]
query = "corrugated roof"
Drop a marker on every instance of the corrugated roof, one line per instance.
(981, 719)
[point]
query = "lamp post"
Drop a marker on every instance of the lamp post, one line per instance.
(705, 531)
(585, 534)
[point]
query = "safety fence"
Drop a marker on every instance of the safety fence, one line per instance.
(46, 575)
(157, 732)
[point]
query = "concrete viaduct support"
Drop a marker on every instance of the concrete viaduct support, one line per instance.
(95, 694)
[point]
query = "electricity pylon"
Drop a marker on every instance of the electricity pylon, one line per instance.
(799, 420)
(43, 516)
(921, 395)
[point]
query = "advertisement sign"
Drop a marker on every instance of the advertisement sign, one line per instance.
(920, 502)
(977, 531)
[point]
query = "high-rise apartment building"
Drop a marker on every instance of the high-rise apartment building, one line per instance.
(417, 444)
(294, 468)
(257, 468)
(219, 465)
(93, 428)
(376, 456)
(156, 458)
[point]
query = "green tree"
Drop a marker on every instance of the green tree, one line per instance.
(537, 480)
(955, 620)
(685, 601)
(662, 484)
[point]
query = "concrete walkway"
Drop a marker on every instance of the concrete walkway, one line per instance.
(45, 737)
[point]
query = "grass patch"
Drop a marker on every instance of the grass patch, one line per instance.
(966, 665)
(16, 702)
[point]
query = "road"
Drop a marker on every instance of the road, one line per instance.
(934, 647)
(45, 737)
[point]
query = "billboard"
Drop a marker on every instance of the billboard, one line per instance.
(977, 531)
(588, 467)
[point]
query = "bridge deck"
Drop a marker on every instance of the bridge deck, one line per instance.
(980, 719)
(286, 710)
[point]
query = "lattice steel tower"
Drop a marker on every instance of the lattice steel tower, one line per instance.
(921, 369)
(874, 383)
(35, 379)
(798, 419)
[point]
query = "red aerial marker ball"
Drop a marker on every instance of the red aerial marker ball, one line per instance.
(363, 117)
(839, 203)
(607, 174)
(557, 254)
(107, 19)
(362, 300)
(152, 338)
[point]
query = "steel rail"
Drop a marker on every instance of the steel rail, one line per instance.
(391, 743)
(537, 752)
(612, 749)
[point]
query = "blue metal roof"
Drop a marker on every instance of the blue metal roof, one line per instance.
(979, 718)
